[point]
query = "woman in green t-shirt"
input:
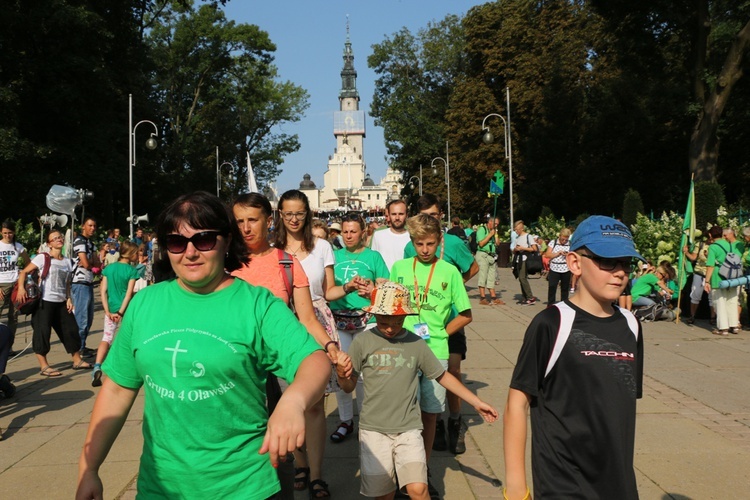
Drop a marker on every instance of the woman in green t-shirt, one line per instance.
(202, 366)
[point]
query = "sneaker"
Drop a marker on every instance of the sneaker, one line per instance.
(88, 353)
(96, 376)
(7, 387)
(530, 302)
(440, 444)
(457, 435)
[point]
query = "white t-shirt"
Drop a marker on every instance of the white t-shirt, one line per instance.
(53, 288)
(9, 253)
(390, 245)
(559, 264)
(314, 265)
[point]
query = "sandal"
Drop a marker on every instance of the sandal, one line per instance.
(719, 332)
(48, 371)
(342, 432)
(301, 478)
(82, 365)
(497, 302)
(321, 492)
(734, 330)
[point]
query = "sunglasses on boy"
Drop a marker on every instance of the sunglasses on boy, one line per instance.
(610, 264)
(202, 241)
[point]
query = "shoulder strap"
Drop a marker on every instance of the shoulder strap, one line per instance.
(567, 316)
(286, 264)
(47, 264)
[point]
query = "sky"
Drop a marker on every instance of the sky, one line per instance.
(309, 37)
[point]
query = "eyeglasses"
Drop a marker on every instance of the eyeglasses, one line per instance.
(287, 216)
(202, 241)
(607, 264)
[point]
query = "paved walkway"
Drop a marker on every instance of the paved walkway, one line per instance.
(693, 430)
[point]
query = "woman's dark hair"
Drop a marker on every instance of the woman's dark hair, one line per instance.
(255, 200)
(716, 232)
(308, 240)
(199, 210)
(9, 224)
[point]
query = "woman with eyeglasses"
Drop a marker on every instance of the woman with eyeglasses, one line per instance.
(201, 345)
(55, 310)
(290, 283)
(295, 235)
(356, 272)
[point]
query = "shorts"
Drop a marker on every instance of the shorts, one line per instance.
(431, 393)
(383, 457)
(626, 291)
(457, 343)
(110, 329)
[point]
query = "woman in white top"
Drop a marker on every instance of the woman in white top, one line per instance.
(559, 274)
(294, 234)
(10, 251)
(55, 308)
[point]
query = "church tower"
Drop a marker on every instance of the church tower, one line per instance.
(346, 167)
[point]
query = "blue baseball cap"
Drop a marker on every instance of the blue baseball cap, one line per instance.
(605, 237)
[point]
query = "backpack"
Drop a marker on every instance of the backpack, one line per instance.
(731, 268)
(30, 304)
(473, 246)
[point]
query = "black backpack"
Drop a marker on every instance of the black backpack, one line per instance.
(473, 242)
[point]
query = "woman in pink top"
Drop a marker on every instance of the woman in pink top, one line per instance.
(253, 213)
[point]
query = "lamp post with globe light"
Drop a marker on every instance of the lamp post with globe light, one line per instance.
(488, 138)
(150, 144)
(419, 179)
(446, 162)
(218, 171)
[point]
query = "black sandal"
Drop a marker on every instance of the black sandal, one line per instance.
(343, 430)
(321, 492)
(301, 478)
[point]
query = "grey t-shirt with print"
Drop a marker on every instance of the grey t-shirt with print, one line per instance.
(389, 368)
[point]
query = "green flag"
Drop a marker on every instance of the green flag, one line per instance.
(685, 267)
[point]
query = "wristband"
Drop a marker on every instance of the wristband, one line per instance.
(329, 343)
(525, 497)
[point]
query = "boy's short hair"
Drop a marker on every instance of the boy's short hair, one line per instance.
(605, 237)
(422, 225)
(390, 299)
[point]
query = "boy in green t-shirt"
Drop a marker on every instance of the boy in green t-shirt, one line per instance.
(390, 358)
(436, 285)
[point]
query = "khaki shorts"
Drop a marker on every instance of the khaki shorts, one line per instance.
(382, 457)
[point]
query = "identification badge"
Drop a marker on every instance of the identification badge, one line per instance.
(422, 330)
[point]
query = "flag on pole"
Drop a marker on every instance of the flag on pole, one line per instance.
(497, 183)
(688, 238)
(251, 185)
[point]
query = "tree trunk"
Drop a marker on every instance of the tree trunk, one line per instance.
(704, 143)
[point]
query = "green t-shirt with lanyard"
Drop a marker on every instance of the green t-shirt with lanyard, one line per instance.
(439, 286)
(452, 249)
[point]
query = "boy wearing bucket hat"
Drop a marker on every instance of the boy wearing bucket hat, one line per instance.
(580, 369)
(390, 358)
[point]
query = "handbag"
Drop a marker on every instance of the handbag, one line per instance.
(533, 263)
(34, 291)
(351, 319)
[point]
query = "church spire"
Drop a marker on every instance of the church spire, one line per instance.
(348, 74)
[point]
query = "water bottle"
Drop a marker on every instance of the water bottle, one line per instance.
(31, 289)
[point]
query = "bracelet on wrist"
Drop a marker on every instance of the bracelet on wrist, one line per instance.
(525, 497)
(329, 343)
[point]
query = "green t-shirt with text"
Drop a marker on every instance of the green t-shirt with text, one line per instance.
(203, 361)
(367, 264)
(446, 289)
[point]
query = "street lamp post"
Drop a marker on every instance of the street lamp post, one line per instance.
(487, 138)
(446, 162)
(150, 144)
(418, 179)
(218, 171)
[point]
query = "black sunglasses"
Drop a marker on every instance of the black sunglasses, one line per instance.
(607, 264)
(202, 241)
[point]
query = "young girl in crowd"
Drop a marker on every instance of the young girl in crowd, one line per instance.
(116, 288)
